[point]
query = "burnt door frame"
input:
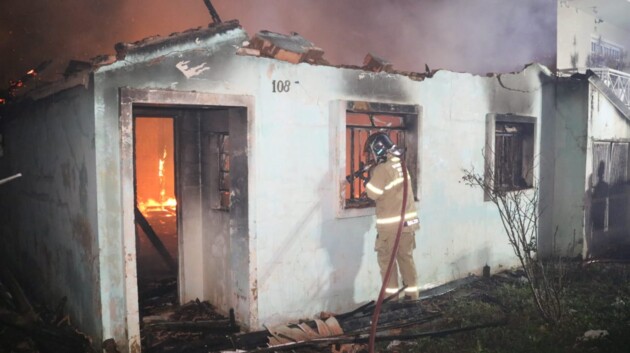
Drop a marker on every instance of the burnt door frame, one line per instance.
(244, 264)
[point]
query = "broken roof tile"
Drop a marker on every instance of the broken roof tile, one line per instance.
(376, 64)
(156, 42)
(76, 66)
(291, 48)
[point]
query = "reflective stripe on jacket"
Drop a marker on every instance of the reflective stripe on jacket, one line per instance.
(386, 188)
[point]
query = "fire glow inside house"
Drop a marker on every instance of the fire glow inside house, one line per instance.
(244, 180)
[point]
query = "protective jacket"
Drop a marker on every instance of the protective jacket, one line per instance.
(386, 188)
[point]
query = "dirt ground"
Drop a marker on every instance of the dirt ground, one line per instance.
(596, 319)
(596, 315)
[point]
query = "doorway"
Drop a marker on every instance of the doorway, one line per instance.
(608, 224)
(210, 165)
(155, 212)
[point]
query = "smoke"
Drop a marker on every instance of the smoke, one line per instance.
(475, 36)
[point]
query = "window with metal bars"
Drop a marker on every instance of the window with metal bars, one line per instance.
(608, 50)
(360, 125)
(513, 155)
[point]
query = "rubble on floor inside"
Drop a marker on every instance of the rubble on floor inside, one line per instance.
(169, 327)
(28, 328)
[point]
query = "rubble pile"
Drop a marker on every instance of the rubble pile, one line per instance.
(169, 327)
(26, 328)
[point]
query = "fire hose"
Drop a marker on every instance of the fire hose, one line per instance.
(381, 295)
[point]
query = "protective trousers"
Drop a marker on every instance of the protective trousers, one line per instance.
(404, 261)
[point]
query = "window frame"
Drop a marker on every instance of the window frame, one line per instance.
(412, 115)
(355, 131)
(490, 148)
(606, 48)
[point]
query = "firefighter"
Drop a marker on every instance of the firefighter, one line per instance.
(384, 185)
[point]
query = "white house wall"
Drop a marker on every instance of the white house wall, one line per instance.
(569, 161)
(303, 258)
(577, 28)
(605, 121)
(48, 216)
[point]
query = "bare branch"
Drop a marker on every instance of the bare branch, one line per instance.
(519, 214)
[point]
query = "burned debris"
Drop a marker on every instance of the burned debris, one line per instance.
(154, 43)
(292, 48)
(376, 64)
(25, 327)
(16, 85)
(144, 224)
(168, 327)
(213, 12)
(195, 327)
(76, 66)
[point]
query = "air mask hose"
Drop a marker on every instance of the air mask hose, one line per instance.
(381, 295)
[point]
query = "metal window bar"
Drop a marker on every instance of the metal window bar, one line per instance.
(509, 161)
(357, 137)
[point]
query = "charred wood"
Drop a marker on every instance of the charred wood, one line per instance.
(49, 336)
(363, 338)
(213, 12)
(374, 63)
(110, 346)
(17, 293)
(207, 326)
(49, 339)
(155, 240)
(394, 315)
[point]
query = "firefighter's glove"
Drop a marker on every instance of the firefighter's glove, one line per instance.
(365, 177)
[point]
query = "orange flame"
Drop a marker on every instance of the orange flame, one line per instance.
(161, 175)
(169, 206)
(165, 206)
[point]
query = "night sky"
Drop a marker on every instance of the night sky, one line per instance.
(477, 36)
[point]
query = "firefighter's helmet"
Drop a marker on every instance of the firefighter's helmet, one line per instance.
(378, 145)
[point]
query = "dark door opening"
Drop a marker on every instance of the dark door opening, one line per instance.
(185, 212)
(209, 250)
(155, 209)
(608, 225)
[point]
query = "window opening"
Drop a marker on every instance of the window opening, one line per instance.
(513, 155)
(604, 54)
(359, 126)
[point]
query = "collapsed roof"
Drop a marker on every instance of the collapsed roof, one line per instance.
(292, 48)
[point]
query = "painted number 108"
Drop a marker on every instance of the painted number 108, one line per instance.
(281, 86)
